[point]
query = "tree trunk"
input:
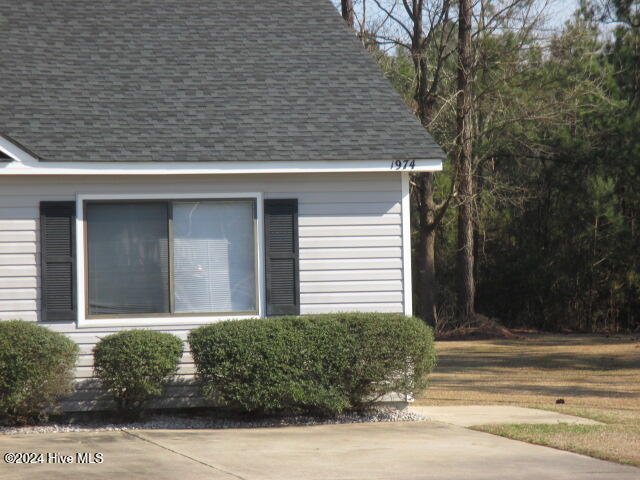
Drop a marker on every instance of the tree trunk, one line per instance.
(426, 249)
(465, 260)
(347, 11)
(425, 181)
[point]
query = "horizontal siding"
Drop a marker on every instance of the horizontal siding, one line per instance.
(360, 219)
(348, 196)
(351, 231)
(18, 305)
(22, 213)
(17, 236)
(15, 201)
(350, 297)
(320, 186)
(17, 247)
(345, 253)
(350, 251)
(183, 393)
(341, 275)
(18, 294)
(308, 309)
(352, 286)
(89, 334)
(18, 282)
(17, 259)
(354, 208)
(18, 224)
(347, 242)
(27, 316)
(18, 271)
(351, 264)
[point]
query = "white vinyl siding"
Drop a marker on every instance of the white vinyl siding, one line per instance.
(350, 244)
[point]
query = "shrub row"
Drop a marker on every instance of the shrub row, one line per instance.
(318, 363)
(36, 368)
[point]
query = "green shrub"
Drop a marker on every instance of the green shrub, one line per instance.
(390, 353)
(135, 365)
(312, 364)
(36, 369)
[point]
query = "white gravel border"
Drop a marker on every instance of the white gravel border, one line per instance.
(186, 422)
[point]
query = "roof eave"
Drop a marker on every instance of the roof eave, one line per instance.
(15, 151)
(33, 167)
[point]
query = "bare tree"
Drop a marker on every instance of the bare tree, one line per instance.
(445, 99)
(424, 29)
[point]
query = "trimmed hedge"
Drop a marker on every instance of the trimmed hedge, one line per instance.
(313, 364)
(135, 365)
(36, 369)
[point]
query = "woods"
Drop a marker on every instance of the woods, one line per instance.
(534, 221)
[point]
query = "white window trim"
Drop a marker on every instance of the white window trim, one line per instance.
(84, 322)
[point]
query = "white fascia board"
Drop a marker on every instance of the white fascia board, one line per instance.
(16, 153)
(26, 164)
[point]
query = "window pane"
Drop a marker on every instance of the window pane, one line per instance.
(128, 249)
(213, 256)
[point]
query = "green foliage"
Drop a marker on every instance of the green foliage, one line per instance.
(567, 255)
(556, 157)
(316, 363)
(36, 369)
(556, 150)
(135, 365)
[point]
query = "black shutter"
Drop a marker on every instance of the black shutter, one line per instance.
(57, 245)
(281, 252)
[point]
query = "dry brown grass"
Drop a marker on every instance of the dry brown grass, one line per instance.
(618, 443)
(596, 376)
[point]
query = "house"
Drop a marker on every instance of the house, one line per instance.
(167, 164)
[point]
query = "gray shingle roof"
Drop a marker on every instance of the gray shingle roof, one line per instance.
(196, 80)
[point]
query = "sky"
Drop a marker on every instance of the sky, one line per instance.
(561, 11)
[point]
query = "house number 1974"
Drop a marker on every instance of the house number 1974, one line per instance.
(403, 165)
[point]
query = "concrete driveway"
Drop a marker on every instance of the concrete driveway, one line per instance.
(411, 450)
(470, 415)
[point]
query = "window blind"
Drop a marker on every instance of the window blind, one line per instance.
(214, 256)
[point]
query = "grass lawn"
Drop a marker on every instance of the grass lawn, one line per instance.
(597, 377)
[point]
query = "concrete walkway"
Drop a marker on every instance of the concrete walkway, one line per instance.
(407, 451)
(467, 416)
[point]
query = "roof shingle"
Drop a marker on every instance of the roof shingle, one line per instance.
(194, 80)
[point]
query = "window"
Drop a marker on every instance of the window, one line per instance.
(171, 257)
(128, 253)
(214, 264)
